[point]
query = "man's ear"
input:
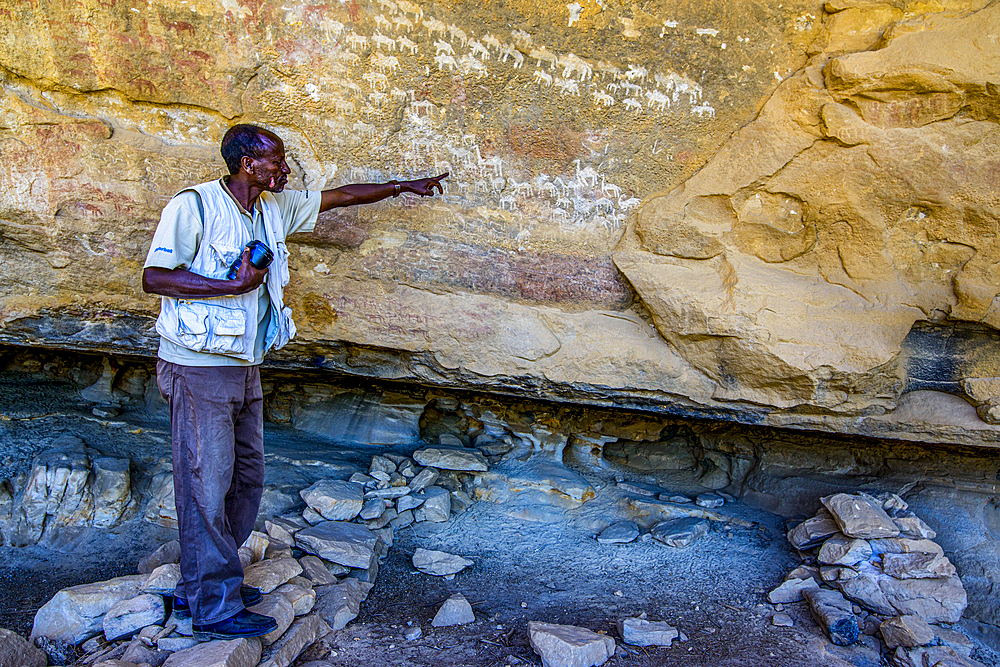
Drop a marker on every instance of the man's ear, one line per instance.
(246, 162)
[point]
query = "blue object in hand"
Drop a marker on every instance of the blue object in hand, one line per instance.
(260, 257)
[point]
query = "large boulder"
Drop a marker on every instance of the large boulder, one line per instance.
(77, 613)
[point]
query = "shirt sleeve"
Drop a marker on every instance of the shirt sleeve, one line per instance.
(299, 209)
(178, 235)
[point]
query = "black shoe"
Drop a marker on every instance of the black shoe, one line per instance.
(250, 595)
(244, 624)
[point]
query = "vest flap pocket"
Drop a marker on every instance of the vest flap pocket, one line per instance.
(229, 322)
(224, 254)
(192, 318)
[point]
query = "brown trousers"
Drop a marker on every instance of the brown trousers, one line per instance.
(217, 432)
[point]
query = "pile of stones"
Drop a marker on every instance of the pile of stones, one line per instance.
(315, 568)
(871, 567)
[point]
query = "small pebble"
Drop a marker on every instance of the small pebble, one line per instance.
(619, 594)
(782, 620)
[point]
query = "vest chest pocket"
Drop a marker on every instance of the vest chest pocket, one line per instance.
(223, 256)
(211, 327)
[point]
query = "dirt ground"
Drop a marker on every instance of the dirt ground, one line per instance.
(713, 591)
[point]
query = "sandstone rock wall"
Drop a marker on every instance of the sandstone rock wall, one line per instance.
(829, 174)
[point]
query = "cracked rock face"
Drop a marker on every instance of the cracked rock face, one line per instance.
(786, 272)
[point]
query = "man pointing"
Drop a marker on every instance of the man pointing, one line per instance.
(214, 333)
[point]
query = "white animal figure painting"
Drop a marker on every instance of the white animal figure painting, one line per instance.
(543, 77)
(521, 38)
(445, 61)
(406, 43)
(376, 80)
(458, 33)
(383, 62)
(470, 65)
(434, 26)
(389, 6)
(573, 64)
(567, 86)
(657, 98)
(603, 99)
(632, 104)
(402, 22)
(441, 46)
(542, 53)
(356, 41)
(609, 70)
(479, 49)
(703, 110)
(632, 88)
(382, 23)
(491, 41)
(510, 51)
(636, 72)
(383, 42)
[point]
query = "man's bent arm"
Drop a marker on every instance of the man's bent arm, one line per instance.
(184, 284)
(369, 193)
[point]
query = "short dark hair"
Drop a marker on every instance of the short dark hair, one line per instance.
(244, 140)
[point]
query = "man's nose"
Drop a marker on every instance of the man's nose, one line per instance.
(284, 168)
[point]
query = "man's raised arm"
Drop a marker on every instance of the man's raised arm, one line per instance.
(369, 193)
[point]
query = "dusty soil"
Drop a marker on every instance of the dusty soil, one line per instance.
(714, 591)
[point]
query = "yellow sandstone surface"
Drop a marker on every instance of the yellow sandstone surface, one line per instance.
(760, 211)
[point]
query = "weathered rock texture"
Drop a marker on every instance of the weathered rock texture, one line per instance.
(830, 172)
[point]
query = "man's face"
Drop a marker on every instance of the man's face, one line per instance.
(270, 170)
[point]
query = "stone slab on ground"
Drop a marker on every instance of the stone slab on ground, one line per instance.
(907, 631)
(621, 532)
(424, 478)
(163, 580)
(842, 550)
(298, 638)
(175, 644)
(335, 499)
(234, 653)
(833, 613)
(640, 632)
(348, 544)
(456, 610)
(439, 563)
(267, 575)
(280, 609)
(917, 566)
(314, 570)
(679, 532)
(790, 590)
(302, 599)
(77, 613)
(127, 617)
(449, 458)
(860, 516)
(934, 600)
(436, 507)
(814, 531)
(15, 651)
(339, 604)
(568, 645)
